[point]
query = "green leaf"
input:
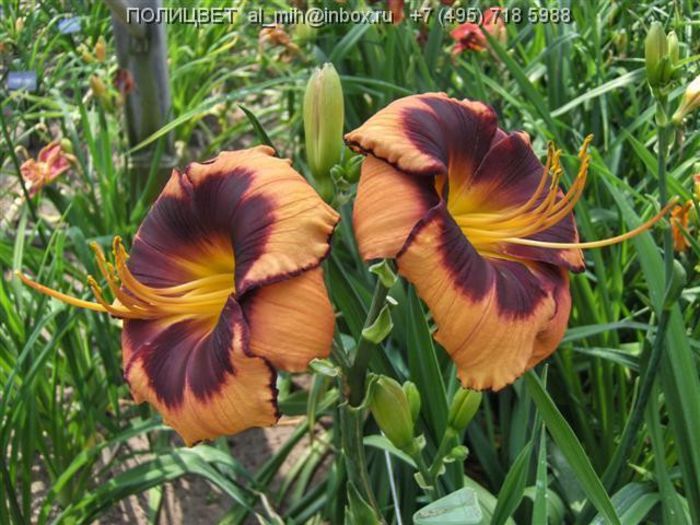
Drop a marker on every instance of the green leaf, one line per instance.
(380, 328)
(570, 446)
(678, 371)
(382, 443)
(458, 508)
(257, 127)
(358, 510)
(539, 509)
(423, 365)
(633, 77)
(513, 486)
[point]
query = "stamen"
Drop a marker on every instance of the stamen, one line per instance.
(540, 212)
(201, 298)
(74, 301)
(597, 244)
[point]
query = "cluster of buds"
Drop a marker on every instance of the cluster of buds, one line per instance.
(662, 58)
(395, 409)
(661, 55)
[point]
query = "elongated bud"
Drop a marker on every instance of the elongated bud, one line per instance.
(392, 412)
(413, 396)
(674, 50)
(98, 87)
(324, 115)
(464, 405)
(100, 49)
(655, 51)
(696, 186)
(689, 102)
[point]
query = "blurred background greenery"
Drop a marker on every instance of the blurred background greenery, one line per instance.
(66, 419)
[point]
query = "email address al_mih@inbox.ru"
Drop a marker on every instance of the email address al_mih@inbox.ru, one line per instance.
(314, 17)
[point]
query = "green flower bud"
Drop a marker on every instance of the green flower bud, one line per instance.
(465, 403)
(304, 33)
(392, 411)
(655, 50)
(323, 126)
(413, 396)
(66, 145)
(690, 101)
(674, 50)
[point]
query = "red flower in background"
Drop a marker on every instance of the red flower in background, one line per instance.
(51, 162)
(471, 36)
(396, 8)
(124, 81)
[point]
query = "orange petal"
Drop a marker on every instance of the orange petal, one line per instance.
(291, 322)
(198, 376)
(283, 226)
(245, 206)
(496, 318)
(388, 205)
(428, 134)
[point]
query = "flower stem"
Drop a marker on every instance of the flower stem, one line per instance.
(447, 442)
(428, 478)
(352, 412)
(634, 422)
(352, 423)
(358, 371)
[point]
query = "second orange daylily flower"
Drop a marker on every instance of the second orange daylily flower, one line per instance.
(50, 163)
(478, 225)
(223, 286)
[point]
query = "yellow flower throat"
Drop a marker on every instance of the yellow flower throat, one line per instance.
(514, 225)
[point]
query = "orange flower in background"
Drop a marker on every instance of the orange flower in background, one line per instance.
(222, 287)
(471, 37)
(397, 10)
(278, 37)
(477, 224)
(51, 162)
(679, 224)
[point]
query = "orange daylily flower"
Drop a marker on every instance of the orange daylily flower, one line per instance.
(51, 162)
(469, 36)
(679, 224)
(478, 225)
(222, 287)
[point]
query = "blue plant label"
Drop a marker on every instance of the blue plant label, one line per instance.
(69, 26)
(17, 80)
